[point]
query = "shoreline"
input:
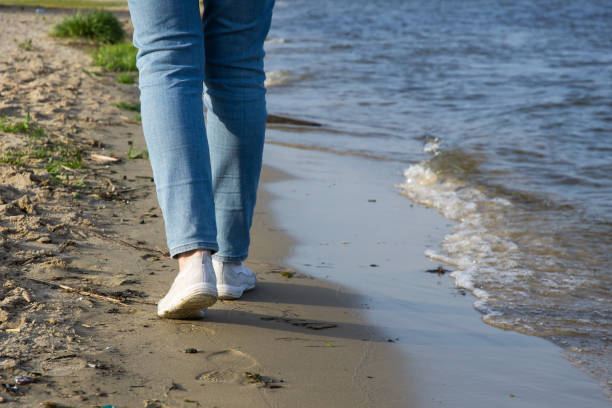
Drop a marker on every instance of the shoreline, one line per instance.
(372, 239)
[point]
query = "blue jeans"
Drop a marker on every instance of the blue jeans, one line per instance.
(206, 172)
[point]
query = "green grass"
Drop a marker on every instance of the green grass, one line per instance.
(56, 166)
(67, 158)
(100, 26)
(116, 57)
(13, 158)
(12, 161)
(15, 127)
(41, 153)
(134, 154)
(128, 106)
(55, 156)
(26, 45)
(126, 78)
(24, 126)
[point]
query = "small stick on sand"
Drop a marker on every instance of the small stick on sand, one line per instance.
(128, 244)
(81, 292)
(129, 190)
(68, 169)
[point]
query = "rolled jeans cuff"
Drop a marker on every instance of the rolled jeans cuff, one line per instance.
(209, 246)
(230, 258)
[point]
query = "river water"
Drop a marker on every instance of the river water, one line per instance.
(501, 112)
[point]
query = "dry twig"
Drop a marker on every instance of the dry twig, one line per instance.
(81, 292)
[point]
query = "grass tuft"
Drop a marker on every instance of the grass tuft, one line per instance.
(24, 126)
(128, 106)
(64, 158)
(116, 57)
(12, 159)
(58, 157)
(100, 26)
(126, 78)
(134, 154)
(26, 45)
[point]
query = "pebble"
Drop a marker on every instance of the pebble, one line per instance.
(45, 239)
(23, 379)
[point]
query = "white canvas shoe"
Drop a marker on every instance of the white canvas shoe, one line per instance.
(193, 290)
(233, 279)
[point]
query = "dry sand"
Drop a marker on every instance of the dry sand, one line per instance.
(294, 341)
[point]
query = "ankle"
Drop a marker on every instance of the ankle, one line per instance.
(185, 258)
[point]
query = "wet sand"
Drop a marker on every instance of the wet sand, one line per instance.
(352, 226)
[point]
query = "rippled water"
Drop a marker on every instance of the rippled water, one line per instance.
(502, 112)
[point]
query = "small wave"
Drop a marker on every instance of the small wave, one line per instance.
(531, 267)
(274, 40)
(278, 78)
(432, 146)
(470, 240)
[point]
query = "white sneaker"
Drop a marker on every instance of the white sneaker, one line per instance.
(193, 290)
(233, 279)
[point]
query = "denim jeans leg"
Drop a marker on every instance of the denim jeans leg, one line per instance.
(234, 34)
(169, 38)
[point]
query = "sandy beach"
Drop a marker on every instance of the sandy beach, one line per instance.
(295, 341)
(83, 262)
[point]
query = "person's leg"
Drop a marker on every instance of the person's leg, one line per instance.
(169, 38)
(234, 33)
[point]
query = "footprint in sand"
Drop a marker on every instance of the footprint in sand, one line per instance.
(227, 366)
(63, 366)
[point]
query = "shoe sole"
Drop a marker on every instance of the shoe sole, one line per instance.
(189, 307)
(227, 292)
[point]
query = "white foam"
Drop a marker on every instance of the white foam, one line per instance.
(277, 78)
(438, 257)
(480, 254)
(432, 146)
